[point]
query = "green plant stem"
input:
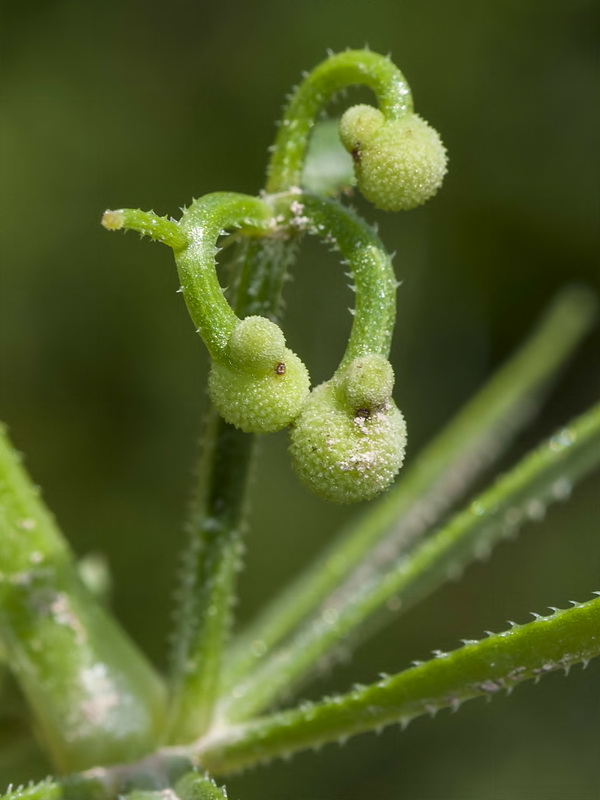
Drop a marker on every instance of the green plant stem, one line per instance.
(194, 243)
(216, 521)
(439, 476)
(203, 222)
(478, 669)
(262, 288)
(94, 696)
(545, 475)
(215, 531)
(147, 223)
(371, 271)
(337, 72)
(211, 564)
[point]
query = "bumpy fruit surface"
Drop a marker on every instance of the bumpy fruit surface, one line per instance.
(398, 164)
(348, 443)
(262, 385)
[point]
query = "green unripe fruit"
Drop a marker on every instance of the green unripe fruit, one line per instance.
(262, 385)
(256, 343)
(345, 453)
(368, 382)
(358, 125)
(399, 164)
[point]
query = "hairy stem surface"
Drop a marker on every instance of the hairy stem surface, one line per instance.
(215, 528)
(211, 564)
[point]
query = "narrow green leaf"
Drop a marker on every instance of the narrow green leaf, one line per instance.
(208, 577)
(195, 786)
(46, 790)
(95, 697)
(72, 788)
(480, 669)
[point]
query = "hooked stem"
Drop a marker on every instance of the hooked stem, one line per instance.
(337, 72)
(203, 222)
(370, 267)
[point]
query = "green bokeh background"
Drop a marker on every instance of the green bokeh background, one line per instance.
(148, 104)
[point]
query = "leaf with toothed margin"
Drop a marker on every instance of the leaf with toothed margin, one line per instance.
(47, 789)
(482, 669)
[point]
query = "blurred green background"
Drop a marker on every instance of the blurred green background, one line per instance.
(148, 104)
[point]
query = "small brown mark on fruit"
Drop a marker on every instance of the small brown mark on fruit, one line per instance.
(280, 368)
(365, 413)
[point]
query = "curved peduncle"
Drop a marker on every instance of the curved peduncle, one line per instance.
(339, 71)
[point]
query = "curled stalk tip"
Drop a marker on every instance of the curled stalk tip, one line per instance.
(112, 220)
